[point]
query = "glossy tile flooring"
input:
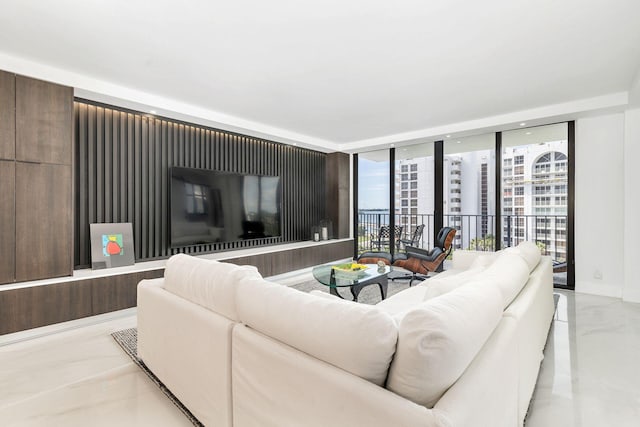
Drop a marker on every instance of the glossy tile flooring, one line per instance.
(80, 377)
(590, 375)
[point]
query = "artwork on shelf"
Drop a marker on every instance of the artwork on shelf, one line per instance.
(111, 245)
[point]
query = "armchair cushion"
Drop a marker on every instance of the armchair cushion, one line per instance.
(426, 255)
(374, 256)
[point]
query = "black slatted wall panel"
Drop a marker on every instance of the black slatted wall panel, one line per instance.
(122, 161)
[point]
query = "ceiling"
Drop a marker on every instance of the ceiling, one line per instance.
(335, 74)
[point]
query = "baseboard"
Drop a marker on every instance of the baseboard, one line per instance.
(42, 331)
(602, 289)
(631, 295)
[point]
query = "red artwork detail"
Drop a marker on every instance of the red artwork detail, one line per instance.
(113, 248)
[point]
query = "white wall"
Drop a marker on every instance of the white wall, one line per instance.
(599, 204)
(634, 92)
(631, 291)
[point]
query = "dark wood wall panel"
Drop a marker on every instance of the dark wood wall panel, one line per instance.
(122, 175)
(43, 121)
(118, 292)
(7, 115)
(43, 221)
(32, 307)
(7, 221)
(284, 261)
(338, 178)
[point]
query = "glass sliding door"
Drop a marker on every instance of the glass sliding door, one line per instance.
(469, 191)
(373, 201)
(535, 191)
(414, 195)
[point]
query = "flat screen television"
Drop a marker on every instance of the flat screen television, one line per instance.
(214, 207)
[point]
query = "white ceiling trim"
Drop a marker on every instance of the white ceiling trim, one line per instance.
(112, 94)
(532, 117)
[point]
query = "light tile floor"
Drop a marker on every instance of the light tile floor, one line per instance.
(79, 377)
(590, 375)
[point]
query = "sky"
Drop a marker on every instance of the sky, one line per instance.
(373, 184)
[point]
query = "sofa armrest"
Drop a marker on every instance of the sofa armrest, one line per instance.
(277, 385)
(487, 393)
(188, 347)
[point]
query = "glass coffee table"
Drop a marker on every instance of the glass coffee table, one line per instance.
(354, 280)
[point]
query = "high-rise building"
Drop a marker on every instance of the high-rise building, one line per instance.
(534, 196)
(534, 191)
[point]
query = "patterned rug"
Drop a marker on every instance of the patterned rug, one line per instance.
(128, 340)
(369, 295)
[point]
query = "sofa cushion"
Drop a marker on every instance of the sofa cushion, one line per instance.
(358, 338)
(208, 283)
(529, 251)
(509, 273)
(484, 260)
(439, 286)
(403, 300)
(463, 259)
(439, 339)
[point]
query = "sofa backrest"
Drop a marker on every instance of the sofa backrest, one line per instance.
(529, 252)
(211, 284)
(509, 273)
(358, 338)
(439, 339)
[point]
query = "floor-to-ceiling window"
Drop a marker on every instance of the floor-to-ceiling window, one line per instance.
(373, 200)
(414, 172)
(535, 191)
(469, 190)
(528, 196)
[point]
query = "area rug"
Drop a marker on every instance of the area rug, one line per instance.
(128, 340)
(368, 295)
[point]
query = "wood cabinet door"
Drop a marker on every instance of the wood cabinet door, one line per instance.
(7, 221)
(7, 115)
(43, 221)
(44, 121)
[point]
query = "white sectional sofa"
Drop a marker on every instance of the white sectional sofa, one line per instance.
(461, 349)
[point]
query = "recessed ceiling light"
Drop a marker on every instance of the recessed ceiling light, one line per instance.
(458, 142)
(153, 111)
(448, 136)
(523, 124)
(528, 133)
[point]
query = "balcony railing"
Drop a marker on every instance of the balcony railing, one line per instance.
(475, 232)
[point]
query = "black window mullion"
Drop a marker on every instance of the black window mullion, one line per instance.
(438, 182)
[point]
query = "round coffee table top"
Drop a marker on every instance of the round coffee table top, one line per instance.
(329, 276)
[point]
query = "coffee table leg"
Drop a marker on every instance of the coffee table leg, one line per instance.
(334, 291)
(355, 291)
(383, 285)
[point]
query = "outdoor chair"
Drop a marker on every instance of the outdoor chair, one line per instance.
(383, 237)
(414, 240)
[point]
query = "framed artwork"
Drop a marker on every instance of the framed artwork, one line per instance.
(111, 245)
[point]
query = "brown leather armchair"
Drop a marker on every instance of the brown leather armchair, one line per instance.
(421, 262)
(417, 261)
